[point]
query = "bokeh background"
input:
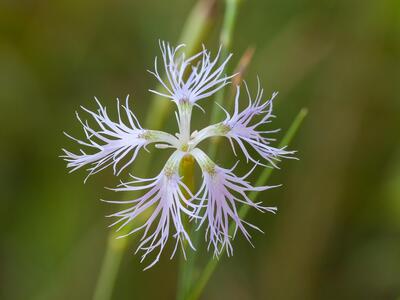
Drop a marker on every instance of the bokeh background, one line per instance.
(337, 233)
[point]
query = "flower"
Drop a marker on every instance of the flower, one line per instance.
(166, 201)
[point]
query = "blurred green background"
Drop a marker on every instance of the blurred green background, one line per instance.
(337, 233)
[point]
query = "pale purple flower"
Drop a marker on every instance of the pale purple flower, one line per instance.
(165, 201)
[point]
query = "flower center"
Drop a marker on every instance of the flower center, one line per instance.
(146, 135)
(184, 147)
(224, 128)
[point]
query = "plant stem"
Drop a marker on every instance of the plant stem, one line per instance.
(196, 26)
(109, 270)
(228, 26)
(184, 273)
(262, 180)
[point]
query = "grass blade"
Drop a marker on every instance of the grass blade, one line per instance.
(263, 178)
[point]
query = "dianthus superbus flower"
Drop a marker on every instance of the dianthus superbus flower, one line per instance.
(166, 201)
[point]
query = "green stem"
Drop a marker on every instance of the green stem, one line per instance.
(109, 269)
(186, 276)
(184, 273)
(228, 26)
(196, 26)
(262, 180)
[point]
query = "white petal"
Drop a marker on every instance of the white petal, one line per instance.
(204, 79)
(165, 203)
(113, 141)
(223, 191)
